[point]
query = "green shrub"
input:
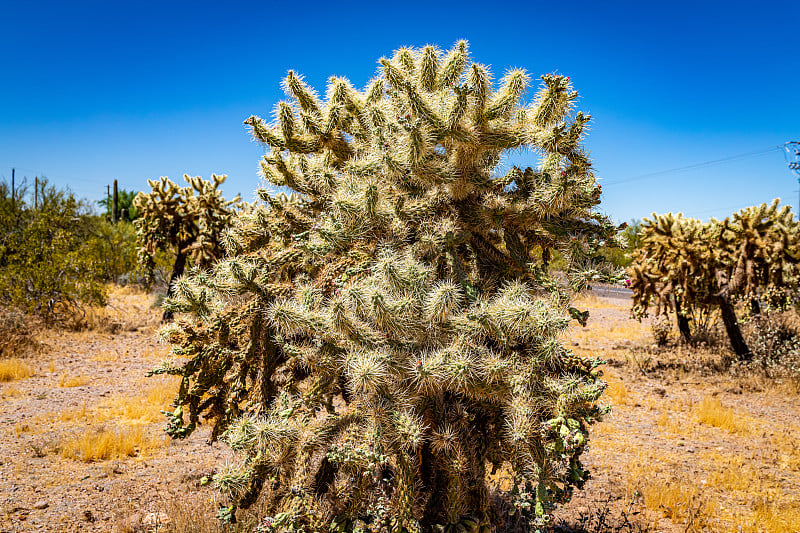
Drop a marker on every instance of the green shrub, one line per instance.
(114, 248)
(45, 262)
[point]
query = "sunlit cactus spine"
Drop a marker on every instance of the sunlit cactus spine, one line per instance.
(380, 341)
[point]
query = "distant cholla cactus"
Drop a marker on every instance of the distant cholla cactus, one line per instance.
(185, 220)
(685, 264)
(378, 341)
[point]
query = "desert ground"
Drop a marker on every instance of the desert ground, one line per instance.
(689, 445)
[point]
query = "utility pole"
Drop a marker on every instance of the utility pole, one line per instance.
(115, 204)
(13, 190)
(791, 151)
(36, 193)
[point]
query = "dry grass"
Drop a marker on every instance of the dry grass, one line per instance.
(617, 393)
(145, 408)
(711, 411)
(72, 381)
(197, 513)
(77, 415)
(10, 391)
(770, 517)
(680, 500)
(787, 448)
(671, 422)
(590, 300)
(671, 495)
(128, 308)
(14, 369)
(735, 473)
(106, 356)
(135, 410)
(18, 332)
(100, 443)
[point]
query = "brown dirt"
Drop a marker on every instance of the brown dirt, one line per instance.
(656, 466)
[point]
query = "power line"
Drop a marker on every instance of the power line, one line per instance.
(694, 166)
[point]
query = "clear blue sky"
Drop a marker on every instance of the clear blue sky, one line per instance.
(93, 91)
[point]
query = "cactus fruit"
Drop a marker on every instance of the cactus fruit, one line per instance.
(374, 340)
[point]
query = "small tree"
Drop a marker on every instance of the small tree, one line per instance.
(683, 264)
(376, 343)
(186, 221)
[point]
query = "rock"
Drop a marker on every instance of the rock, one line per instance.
(87, 514)
(41, 504)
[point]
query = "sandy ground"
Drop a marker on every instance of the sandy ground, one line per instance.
(659, 463)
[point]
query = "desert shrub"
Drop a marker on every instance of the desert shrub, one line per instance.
(113, 248)
(661, 328)
(17, 332)
(774, 338)
(45, 264)
(375, 343)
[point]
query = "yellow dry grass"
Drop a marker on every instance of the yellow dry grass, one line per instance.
(590, 300)
(106, 356)
(711, 411)
(787, 448)
(144, 408)
(14, 369)
(10, 391)
(671, 495)
(671, 422)
(72, 381)
(128, 308)
(616, 393)
(768, 516)
(680, 500)
(735, 473)
(140, 409)
(100, 443)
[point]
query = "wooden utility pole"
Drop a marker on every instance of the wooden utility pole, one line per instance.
(115, 204)
(36, 192)
(13, 190)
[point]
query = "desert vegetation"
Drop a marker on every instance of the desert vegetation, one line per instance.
(403, 333)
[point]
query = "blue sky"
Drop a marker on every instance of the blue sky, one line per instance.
(93, 91)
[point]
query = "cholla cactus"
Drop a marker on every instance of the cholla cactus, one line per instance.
(184, 220)
(374, 342)
(683, 263)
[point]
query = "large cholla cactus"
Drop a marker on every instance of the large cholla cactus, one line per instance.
(377, 340)
(683, 263)
(186, 221)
